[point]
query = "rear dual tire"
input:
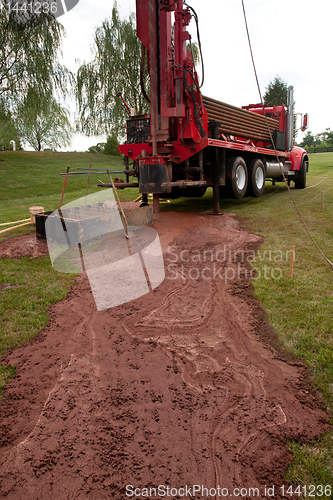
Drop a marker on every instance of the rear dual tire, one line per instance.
(244, 179)
(256, 171)
(236, 177)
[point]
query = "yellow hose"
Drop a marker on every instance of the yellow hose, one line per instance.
(16, 222)
(14, 227)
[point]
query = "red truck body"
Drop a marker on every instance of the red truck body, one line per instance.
(189, 142)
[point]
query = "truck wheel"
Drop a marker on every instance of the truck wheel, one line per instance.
(256, 172)
(237, 177)
(300, 181)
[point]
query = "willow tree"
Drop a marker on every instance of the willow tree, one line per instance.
(8, 129)
(116, 66)
(29, 51)
(42, 121)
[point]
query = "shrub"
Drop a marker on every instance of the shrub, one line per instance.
(111, 146)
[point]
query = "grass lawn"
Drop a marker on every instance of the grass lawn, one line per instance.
(300, 309)
(28, 179)
(29, 286)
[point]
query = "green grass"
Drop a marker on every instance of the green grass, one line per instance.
(300, 309)
(313, 462)
(30, 179)
(29, 286)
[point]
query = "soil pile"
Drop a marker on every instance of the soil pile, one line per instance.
(23, 246)
(174, 388)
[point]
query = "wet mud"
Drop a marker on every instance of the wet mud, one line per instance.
(178, 387)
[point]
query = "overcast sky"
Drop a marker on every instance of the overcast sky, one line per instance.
(290, 38)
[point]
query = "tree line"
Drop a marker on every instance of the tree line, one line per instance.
(34, 85)
(318, 143)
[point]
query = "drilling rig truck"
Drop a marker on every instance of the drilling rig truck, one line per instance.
(189, 142)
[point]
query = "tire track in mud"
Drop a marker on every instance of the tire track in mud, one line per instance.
(172, 388)
(252, 411)
(223, 347)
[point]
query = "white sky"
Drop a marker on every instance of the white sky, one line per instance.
(290, 38)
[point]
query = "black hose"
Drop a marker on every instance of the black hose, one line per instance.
(142, 69)
(199, 42)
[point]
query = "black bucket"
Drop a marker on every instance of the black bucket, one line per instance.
(40, 224)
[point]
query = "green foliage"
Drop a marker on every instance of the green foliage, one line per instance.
(29, 56)
(8, 130)
(277, 95)
(99, 148)
(308, 140)
(276, 92)
(194, 49)
(115, 68)
(326, 136)
(320, 143)
(42, 121)
(111, 146)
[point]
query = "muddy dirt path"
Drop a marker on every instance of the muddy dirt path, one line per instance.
(173, 389)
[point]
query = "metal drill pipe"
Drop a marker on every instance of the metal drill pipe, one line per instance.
(241, 120)
(240, 123)
(238, 126)
(249, 117)
(85, 173)
(241, 128)
(245, 134)
(233, 128)
(220, 106)
(225, 105)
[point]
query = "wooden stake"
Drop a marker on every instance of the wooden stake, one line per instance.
(63, 223)
(63, 188)
(292, 259)
(88, 184)
(120, 208)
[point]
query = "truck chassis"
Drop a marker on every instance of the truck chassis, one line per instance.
(189, 142)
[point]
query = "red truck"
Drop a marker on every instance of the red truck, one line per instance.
(188, 141)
